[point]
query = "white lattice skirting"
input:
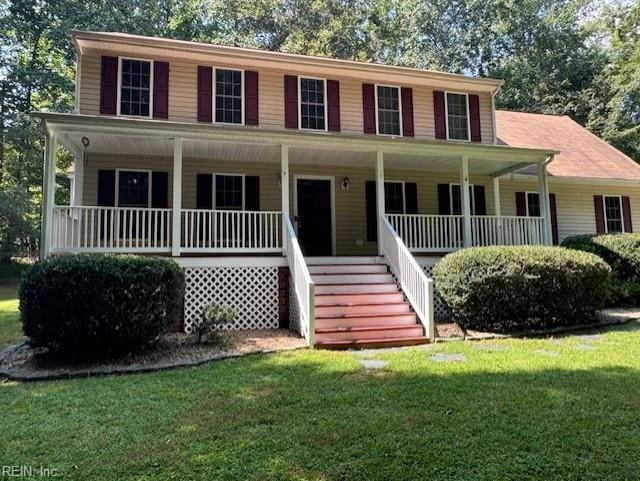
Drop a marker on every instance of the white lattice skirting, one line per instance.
(294, 310)
(251, 291)
(440, 310)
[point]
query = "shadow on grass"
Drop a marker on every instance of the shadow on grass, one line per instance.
(322, 416)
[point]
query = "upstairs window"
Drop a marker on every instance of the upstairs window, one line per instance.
(228, 96)
(229, 192)
(457, 106)
(394, 197)
(388, 110)
(613, 214)
(136, 83)
(313, 104)
(133, 188)
(456, 200)
(533, 204)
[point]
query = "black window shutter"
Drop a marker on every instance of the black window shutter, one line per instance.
(521, 204)
(106, 188)
(372, 210)
(480, 201)
(444, 201)
(160, 190)
(204, 191)
(411, 197)
(252, 192)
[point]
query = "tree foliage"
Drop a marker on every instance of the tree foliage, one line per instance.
(575, 57)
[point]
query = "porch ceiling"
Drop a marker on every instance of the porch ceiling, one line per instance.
(155, 138)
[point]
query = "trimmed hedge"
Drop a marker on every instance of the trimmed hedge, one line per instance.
(622, 253)
(520, 288)
(96, 305)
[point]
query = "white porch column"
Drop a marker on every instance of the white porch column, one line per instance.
(380, 195)
(177, 197)
(284, 183)
(496, 196)
(465, 201)
(78, 180)
(545, 210)
(49, 194)
(497, 209)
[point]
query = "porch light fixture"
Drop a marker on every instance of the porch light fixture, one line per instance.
(85, 144)
(345, 184)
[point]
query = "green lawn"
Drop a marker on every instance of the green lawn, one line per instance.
(555, 409)
(10, 329)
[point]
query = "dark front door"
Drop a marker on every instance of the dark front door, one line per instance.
(314, 217)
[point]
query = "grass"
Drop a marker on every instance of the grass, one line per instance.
(537, 409)
(10, 328)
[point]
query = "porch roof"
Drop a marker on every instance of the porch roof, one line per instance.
(127, 136)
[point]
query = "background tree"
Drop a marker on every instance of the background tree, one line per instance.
(574, 57)
(616, 113)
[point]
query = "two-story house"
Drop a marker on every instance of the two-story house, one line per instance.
(312, 190)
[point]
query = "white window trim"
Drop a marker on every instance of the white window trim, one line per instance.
(326, 104)
(604, 211)
(446, 115)
(397, 87)
(526, 201)
(404, 194)
(213, 96)
(151, 80)
(214, 191)
(117, 187)
(472, 198)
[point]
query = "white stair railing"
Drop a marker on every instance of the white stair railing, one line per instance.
(415, 284)
(302, 283)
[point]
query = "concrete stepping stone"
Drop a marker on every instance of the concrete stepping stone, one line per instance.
(373, 363)
(589, 337)
(488, 347)
(546, 352)
(585, 347)
(445, 357)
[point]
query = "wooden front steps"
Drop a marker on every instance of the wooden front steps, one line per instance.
(359, 305)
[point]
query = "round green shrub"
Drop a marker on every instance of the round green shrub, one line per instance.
(521, 288)
(622, 253)
(97, 305)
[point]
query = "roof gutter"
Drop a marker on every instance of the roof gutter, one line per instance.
(76, 100)
(493, 111)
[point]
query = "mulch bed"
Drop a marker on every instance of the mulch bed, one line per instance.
(608, 317)
(24, 363)
(449, 331)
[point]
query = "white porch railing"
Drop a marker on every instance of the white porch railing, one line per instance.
(416, 285)
(444, 233)
(506, 230)
(110, 229)
(302, 283)
(433, 233)
(231, 231)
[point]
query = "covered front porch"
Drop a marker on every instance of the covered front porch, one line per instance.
(333, 189)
